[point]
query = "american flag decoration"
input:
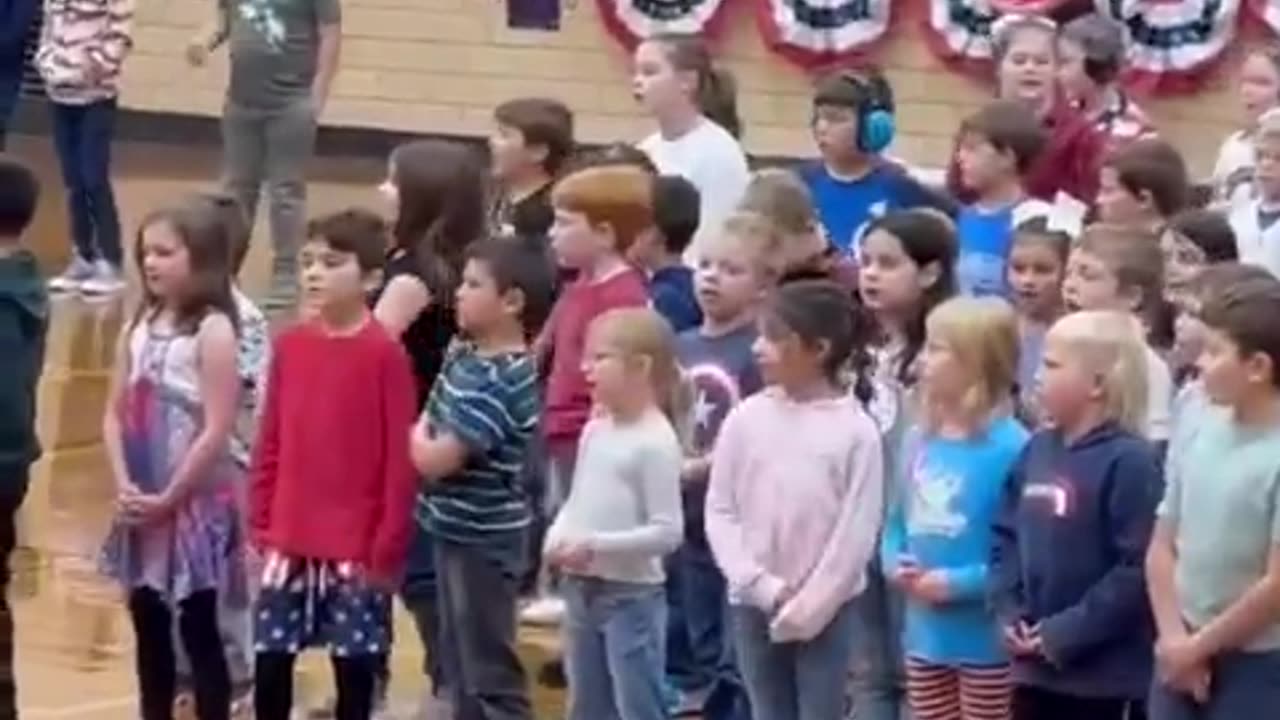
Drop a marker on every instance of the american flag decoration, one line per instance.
(813, 33)
(1172, 43)
(631, 21)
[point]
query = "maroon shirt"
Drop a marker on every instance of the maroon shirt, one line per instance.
(568, 401)
(1070, 160)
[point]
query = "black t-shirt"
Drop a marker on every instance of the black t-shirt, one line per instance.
(428, 336)
(530, 216)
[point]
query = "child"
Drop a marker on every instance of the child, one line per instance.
(736, 269)
(283, 61)
(333, 488)
(1259, 91)
(1213, 567)
(1076, 621)
(938, 531)
(82, 50)
(600, 212)
(793, 506)
(998, 144)
(1091, 55)
(658, 252)
(1209, 231)
(1253, 218)
(172, 405)
(807, 254)
(24, 320)
(1142, 185)
(470, 447)
(1037, 266)
(620, 519)
(695, 106)
(851, 182)
(1114, 268)
(532, 139)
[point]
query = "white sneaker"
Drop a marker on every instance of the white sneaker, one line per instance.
(71, 279)
(543, 611)
(105, 280)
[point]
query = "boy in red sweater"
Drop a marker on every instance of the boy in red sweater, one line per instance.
(332, 485)
(599, 213)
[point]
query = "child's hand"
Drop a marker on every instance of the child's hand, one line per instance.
(929, 586)
(1178, 659)
(570, 555)
(1021, 640)
(146, 509)
(906, 572)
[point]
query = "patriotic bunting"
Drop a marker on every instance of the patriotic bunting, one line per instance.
(1173, 42)
(631, 21)
(959, 33)
(813, 33)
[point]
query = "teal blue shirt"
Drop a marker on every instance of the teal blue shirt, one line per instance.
(1222, 500)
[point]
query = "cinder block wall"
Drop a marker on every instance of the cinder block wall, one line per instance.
(439, 66)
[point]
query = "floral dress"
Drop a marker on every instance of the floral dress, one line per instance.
(160, 417)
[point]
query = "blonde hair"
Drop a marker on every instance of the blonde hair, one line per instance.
(756, 237)
(639, 333)
(982, 334)
(1269, 125)
(1110, 345)
(619, 196)
(782, 197)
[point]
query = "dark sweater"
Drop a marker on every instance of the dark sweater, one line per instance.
(24, 313)
(1070, 539)
(16, 17)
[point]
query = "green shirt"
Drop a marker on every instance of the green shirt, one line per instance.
(1223, 503)
(274, 47)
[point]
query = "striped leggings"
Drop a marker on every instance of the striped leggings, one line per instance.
(966, 692)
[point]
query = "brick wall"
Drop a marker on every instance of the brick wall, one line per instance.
(441, 65)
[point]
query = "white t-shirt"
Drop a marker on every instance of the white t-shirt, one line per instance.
(710, 158)
(1159, 397)
(1233, 171)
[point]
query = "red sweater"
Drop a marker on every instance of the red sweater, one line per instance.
(331, 475)
(568, 399)
(1070, 161)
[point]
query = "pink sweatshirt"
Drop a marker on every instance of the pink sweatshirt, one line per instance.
(794, 507)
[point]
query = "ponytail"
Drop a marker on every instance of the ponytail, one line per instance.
(717, 92)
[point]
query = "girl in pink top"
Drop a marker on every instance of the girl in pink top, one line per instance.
(794, 506)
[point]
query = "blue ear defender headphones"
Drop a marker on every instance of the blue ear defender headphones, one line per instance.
(876, 125)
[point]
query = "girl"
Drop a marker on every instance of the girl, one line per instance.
(807, 254)
(1077, 622)
(695, 106)
(1091, 51)
(173, 402)
(1037, 265)
(938, 530)
(1259, 91)
(1116, 268)
(1025, 49)
(621, 518)
(793, 507)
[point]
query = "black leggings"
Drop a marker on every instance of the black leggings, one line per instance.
(157, 666)
(273, 686)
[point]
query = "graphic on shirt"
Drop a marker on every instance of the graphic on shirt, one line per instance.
(715, 393)
(981, 274)
(1057, 495)
(263, 16)
(875, 211)
(933, 498)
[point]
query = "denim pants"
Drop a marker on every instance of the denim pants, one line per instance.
(614, 633)
(1244, 685)
(477, 587)
(13, 489)
(795, 680)
(82, 136)
(420, 596)
(272, 147)
(878, 687)
(10, 85)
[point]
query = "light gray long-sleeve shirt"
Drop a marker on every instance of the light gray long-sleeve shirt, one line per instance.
(625, 501)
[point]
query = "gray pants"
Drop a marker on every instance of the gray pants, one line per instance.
(272, 147)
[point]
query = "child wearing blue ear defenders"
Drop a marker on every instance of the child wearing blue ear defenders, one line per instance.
(851, 182)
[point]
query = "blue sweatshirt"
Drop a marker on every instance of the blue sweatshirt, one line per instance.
(671, 292)
(1069, 546)
(846, 206)
(949, 493)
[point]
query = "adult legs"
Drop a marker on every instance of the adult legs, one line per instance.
(68, 137)
(97, 129)
(290, 137)
(244, 152)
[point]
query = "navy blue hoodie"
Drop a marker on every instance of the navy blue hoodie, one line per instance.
(1070, 539)
(24, 314)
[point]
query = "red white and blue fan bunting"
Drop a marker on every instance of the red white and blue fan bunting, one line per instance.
(1268, 11)
(959, 33)
(1173, 42)
(1026, 7)
(817, 32)
(631, 21)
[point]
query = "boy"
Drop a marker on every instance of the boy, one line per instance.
(82, 50)
(659, 252)
(737, 268)
(470, 447)
(1213, 567)
(531, 140)
(851, 183)
(332, 486)
(600, 212)
(1142, 185)
(998, 144)
(284, 56)
(24, 317)
(1254, 218)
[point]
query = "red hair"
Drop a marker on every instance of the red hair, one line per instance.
(619, 196)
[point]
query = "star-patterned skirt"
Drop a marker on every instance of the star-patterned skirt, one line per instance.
(306, 603)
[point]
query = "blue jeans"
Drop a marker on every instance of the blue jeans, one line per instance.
(798, 680)
(614, 648)
(10, 85)
(1244, 685)
(695, 628)
(419, 595)
(82, 136)
(879, 683)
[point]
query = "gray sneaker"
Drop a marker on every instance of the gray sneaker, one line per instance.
(73, 277)
(106, 279)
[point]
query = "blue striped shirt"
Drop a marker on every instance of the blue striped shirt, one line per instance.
(491, 404)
